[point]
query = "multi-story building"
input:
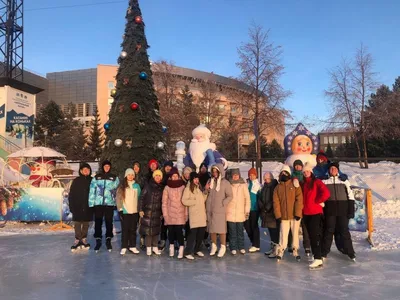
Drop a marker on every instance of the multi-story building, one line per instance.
(91, 88)
(334, 137)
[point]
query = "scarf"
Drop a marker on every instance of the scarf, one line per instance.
(218, 186)
(175, 183)
(255, 187)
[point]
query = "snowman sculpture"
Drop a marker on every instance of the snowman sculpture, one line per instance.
(301, 144)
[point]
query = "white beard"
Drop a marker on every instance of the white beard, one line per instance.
(197, 151)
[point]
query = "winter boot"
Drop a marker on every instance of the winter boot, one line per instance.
(171, 250)
(221, 251)
(156, 251)
(84, 244)
(108, 244)
(274, 250)
(76, 245)
(316, 264)
(271, 250)
(180, 253)
(296, 254)
(148, 251)
(213, 249)
(98, 245)
(134, 250)
(279, 254)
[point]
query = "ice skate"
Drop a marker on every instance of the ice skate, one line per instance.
(171, 250)
(123, 251)
(279, 255)
(243, 251)
(156, 251)
(200, 254)
(222, 251)
(296, 254)
(189, 257)
(254, 249)
(76, 245)
(271, 250)
(352, 257)
(180, 253)
(316, 264)
(84, 244)
(308, 252)
(213, 249)
(134, 250)
(148, 251)
(234, 252)
(98, 245)
(108, 244)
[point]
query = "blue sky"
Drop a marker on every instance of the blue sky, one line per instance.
(204, 35)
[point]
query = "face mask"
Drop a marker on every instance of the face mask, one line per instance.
(284, 178)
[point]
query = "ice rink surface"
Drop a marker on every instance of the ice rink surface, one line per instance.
(42, 267)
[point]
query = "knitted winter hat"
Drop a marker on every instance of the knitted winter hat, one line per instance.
(235, 172)
(129, 171)
(153, 161)
(334, 164)
(308, 167)
(322, 155)
(173, 171)
(252, 171)
(157, 172)
(270, 174)
(187, 170)
(105, 163)
(203, 165)
(193, 175)
(168, 163)
(286, 168)
(297, 162)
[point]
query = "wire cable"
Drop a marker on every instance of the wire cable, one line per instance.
(75, 5)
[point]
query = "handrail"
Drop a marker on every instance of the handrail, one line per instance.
(8, 146)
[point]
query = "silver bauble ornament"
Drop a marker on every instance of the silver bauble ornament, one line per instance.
(123, 54)
(118, 143)
(160, 145)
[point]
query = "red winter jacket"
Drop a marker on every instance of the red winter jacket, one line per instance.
(312, 197)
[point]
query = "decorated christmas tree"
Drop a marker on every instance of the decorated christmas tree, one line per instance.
(134, 130)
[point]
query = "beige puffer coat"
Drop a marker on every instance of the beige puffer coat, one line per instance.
(174, 212)
(197, 208)
(240, 204)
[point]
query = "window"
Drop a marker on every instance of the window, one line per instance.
(87, 123)
(111, 85)
(221, 107)
(80, 110)
(325, 140)
(331, 140)
(87, 109)
(335, 140)
(343, 139)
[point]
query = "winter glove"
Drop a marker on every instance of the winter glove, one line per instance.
(141, 214)
(296, 183)
(343, 177)
(322, 204)
(297, 218)
(121, 215)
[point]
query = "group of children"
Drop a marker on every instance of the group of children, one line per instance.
(192, 206)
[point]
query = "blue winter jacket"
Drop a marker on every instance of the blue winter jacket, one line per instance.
(253, 196)
(103, 190)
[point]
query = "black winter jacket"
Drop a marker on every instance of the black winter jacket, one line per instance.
(79, 196)
(151, 204)
(266, 206)
(341, 201)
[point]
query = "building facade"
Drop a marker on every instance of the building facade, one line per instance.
(334, 138)
(91, 88)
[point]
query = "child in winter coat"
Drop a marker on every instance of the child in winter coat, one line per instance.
(339, 209)
(315, 193)
(102, 197)
(219, 195)
(128, 194)
(174, 212)
(251, 224)
(195, 200)
(266, 206)
(237, 212)
(79, 206)
(288, 207)
(150, 212)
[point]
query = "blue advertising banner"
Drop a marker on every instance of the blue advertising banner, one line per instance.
(359, 223)
(31, 204)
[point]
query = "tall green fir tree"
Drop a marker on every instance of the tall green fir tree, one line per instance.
(134, 130)
(96, 138)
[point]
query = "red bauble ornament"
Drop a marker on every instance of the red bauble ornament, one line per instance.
(134, 106)
(138, 20)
